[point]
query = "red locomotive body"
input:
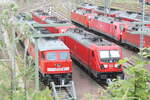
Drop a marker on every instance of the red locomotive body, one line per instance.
(81, 16)
(46, 19)
(134, 39)
(55, 63)
(147, 40)
(98, 56)
(107, 26)
(131, 39)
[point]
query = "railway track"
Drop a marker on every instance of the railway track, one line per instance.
(85, 84)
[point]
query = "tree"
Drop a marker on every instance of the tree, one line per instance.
(135, 87)
(14, 73)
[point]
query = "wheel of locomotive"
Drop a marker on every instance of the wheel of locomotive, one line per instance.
(41, 85)
(90, 74)
(121, 75)
(102, 81)
(68, 79)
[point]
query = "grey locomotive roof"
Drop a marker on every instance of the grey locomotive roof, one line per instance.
(55, 20)
(88, 39)
(134, 16)
(51, 44)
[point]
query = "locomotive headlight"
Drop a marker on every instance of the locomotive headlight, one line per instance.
(116, 65)
(102, 67)
(105, 66)
(66, 68)
(62, 30)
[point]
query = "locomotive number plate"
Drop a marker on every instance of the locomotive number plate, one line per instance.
(58, 69)
(111, 66)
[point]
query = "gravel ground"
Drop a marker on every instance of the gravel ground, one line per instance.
(85, 86)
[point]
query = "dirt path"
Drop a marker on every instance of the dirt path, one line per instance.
(85, 86)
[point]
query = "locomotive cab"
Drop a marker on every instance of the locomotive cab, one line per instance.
(109, 59)
(55, 63)
(108, 63)
(98, 56)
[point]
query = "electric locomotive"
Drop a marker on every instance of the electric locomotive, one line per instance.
(120, 30)
(55, 64)
(99, 57)
(43, 18)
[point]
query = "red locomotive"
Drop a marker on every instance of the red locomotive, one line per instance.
(115, 28)
(43, 18)
(98, 56)
(55, 63)
(119, 30)
(82, 16)
(134, 39)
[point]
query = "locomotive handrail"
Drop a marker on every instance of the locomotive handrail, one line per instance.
(143, 32)
(141, 23)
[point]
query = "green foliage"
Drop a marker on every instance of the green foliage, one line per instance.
(41, 95)
(1, 44)
(14, 7)
(135, 87)
(89, 96)
(26, 70)
(5, 12)
(33, 95)
(10, 25)
(145, 52)
(26, 73)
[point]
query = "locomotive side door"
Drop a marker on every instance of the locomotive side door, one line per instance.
(92, 60)
(119, 29)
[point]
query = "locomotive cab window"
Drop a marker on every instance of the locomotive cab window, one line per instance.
(104, 54)
(114, 54)
(93, 53)
(109, 56)
(51, 56)
(64, 55)
(43, 56)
